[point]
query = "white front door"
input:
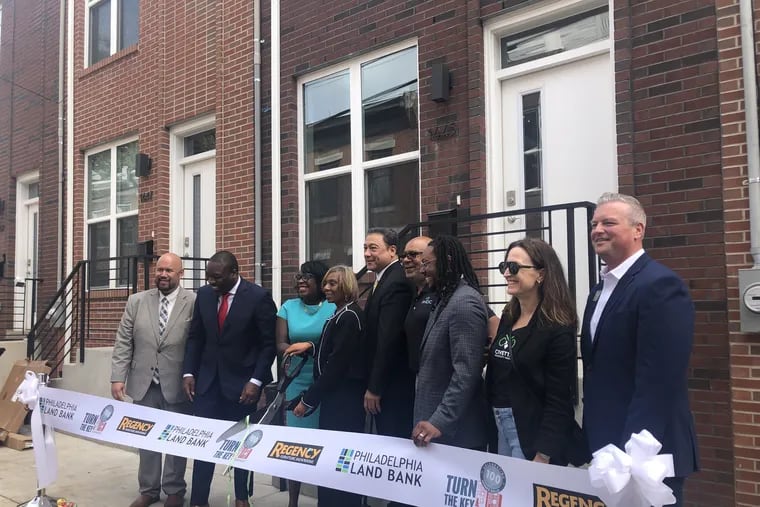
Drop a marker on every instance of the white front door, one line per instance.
(27, 254)
(558, 146)
(198, 218)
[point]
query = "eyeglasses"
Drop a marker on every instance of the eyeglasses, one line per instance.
(305, 277)
(410, 253)
(512, 267)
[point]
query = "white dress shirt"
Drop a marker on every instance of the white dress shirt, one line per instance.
(610, 279)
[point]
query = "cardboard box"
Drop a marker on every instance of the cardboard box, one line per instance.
(18, 442)
(12, 413)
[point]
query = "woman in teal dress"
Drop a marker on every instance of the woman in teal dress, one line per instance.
(301, 320)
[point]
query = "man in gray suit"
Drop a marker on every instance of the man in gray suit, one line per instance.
(449, 403)
(148, 356)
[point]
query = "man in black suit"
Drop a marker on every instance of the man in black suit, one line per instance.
(228, 357)
(390, 392)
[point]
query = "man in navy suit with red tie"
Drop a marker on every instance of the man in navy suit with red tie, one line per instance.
(228, 357)
(636, 341)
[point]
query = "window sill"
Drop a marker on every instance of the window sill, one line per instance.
(105, 62)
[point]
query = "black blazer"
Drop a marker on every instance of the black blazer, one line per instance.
(336, 354)
(384, 313)
(541, 388)
(245, 348)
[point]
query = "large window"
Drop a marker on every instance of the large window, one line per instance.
(112, 25)
(360, 152)
(111, 212)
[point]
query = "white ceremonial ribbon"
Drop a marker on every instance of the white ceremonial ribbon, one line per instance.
(45, 455)
(611, 472)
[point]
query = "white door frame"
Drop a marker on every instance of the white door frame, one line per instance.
(521, 20)
(177, 161)
(513, 23)
(23, 203)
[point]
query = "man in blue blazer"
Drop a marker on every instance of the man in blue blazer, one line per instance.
(228, 357)
(636, 341)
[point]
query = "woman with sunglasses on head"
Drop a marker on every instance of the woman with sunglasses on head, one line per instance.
(301, 320)
(532, 363)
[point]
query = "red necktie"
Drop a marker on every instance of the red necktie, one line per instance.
(223, 307)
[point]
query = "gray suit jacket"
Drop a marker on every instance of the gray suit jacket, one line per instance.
(139, 348)
(450, 392)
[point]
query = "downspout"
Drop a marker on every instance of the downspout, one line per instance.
(750, 112)
(276, 169)
(70, 139)
(257, 244)
(61, 75)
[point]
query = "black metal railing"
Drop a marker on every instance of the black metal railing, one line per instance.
(487, 236)
(18, 304)
(88, 306)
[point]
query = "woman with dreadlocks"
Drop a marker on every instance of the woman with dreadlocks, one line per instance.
(450, 405)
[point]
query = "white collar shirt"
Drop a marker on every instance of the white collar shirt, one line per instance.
(610, 279)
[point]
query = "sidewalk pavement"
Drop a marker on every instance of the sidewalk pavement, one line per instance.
(92, 474)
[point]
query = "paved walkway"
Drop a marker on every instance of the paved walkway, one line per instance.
(96, 475)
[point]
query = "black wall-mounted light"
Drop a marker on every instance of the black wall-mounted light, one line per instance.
(142, 164)
(440, 82)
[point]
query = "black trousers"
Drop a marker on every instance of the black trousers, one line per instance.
(214, 405)
(342, 410)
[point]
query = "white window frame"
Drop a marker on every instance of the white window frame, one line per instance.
(114, 29)
(358, 166)
(114, 216)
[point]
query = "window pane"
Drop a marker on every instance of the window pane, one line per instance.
(99, 242)
(327, 123)
(126, 179)
(100, 31)
(99, 184)
(389, 105)
(392, 196)
(129, 26)
(126, 245)
(329, 220)
(200, 142)
(531, 105)
(34, 190)
(555, 38)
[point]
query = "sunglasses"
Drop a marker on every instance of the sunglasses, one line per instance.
(411, 254)
(512, 267)
(304, 277)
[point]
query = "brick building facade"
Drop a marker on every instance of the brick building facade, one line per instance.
(29, 169)
(176, 84)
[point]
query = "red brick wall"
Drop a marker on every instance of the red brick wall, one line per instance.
(745, 382)
(28, 125)
(192, 58)
(669, 144)
(446, 31)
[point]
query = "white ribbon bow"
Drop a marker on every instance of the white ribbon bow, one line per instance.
(45, 454)
(611, 471)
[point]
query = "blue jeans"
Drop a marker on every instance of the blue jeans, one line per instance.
(509, 442)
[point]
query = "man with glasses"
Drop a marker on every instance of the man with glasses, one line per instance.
(423, 301)
(390, 392)
(636, 341)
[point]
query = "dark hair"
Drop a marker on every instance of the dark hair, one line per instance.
(452, 264)
(556, 302)
(319, 270)
(390, 236)
(226, 259)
